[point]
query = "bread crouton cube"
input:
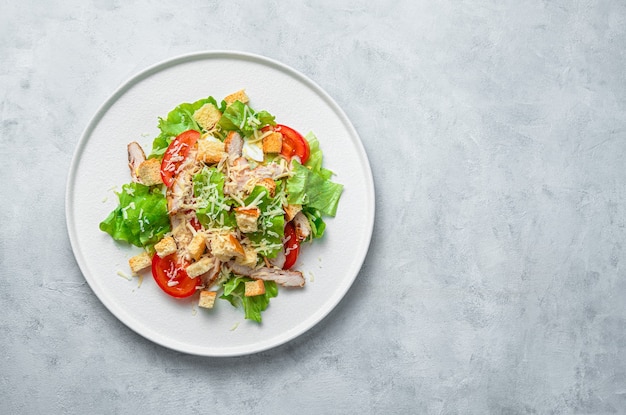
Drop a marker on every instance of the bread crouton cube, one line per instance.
(273, 143)
(139, 262)
(196, 246)
(252, 288)
(247, 218)
(207, 299)
(249, 258)
(207, 116)
(149, 172)
(237, 96)
(165, 247)
(291, 211)
(210, 151)
(200, 267)
(225, 247)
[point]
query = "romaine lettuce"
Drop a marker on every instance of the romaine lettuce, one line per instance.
(179, 120)
(310, 188)
(315, 220)
(240, 117)
(315, 157)
(141, 217)
(234, 290)
(268, 239)
(213, 207)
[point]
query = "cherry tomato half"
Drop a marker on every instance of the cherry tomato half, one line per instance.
(169, 274)
(193, 220)
(292, 246)
(176, 154)
(195, 223)
(293, 143)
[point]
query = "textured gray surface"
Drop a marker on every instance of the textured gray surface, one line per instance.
(495, 280)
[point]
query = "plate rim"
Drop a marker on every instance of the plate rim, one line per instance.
(148, 333)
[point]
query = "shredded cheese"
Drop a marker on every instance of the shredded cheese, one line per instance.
(256, 200)
(125, 276)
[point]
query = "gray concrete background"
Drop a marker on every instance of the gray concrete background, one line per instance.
(495, 278)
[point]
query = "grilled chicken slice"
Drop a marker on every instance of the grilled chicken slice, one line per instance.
(136, 156)
(180, 193)
(242, 179)
(233, 145)
(240, 269)
(237, 176)
(279, 260)
(267, 172)
(210, 276)
(284, 277)
(302, 226)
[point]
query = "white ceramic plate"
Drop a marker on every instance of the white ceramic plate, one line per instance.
(99, 167)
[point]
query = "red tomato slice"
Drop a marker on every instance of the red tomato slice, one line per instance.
(293, 143)
(292, 246)
(169, 269)
(195, 223)
(193, 220)
(176, 154)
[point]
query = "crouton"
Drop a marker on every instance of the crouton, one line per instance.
(165, 247)
(237, 96)
(252, 288)
(291, 211)
(225, 247)
(273, 143)
(196, 246)
(207, 116)
(207, 299)
(249, 258)
(269, 184)
(200, 267)
(210, 151)
(139, 262)
(149, 172)
(247, 218)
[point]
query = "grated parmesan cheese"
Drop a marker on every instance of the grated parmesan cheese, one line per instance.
(124, 275)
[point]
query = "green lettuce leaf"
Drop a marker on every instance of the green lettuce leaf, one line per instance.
(178, 120)
(141, 217)
(315, 220)
(208, 189)
(268, 239)
(240, 117)
(314, 163)
(234, 290)
(308, 188)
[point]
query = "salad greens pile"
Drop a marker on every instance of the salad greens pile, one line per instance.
(252, 306)
(142, 217)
